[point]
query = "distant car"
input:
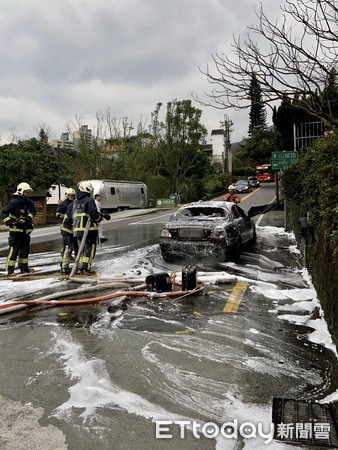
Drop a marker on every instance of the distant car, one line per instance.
(176, 197)
(242, 186)
(253, 181)
(209, 229)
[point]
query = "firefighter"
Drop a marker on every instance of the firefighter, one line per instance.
(18, 215)
(78, 214)
(70, 243)
(231, 196)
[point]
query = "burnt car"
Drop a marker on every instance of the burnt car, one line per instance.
(207, 229)
(242, 186)
(253, 181)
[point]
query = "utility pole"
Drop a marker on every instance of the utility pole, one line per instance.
(227, 126)
(56, 145)
(58, 156)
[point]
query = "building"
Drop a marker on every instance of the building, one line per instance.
(83, 135)
(219, 151)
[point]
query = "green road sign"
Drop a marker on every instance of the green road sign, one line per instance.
(283, 160)
(166, 203)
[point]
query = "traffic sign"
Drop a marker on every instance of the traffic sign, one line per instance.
(166, 203)
(283, 160)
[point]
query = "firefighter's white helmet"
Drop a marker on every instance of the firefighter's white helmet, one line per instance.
(231, 187)
(86, 186)
(70, 191)
(22, 187)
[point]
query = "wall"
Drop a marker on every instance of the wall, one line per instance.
(322, 264)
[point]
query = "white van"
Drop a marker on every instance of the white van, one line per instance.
(117, 195)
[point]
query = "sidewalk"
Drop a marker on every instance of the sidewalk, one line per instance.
(275, 218)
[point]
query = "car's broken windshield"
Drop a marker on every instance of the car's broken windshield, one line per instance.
(201, 213)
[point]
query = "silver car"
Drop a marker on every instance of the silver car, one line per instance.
(253, 182)
(209, 229)
(242, 186)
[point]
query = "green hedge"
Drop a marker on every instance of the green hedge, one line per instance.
(311, 187)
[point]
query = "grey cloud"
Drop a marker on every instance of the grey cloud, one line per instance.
(49, 51)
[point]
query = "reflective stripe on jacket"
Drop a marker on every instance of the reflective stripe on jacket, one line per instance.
(19, 209)
(66, 226)
(84, 209)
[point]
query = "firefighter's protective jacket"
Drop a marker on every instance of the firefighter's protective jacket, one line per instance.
(61, 213)
(79, 212)
(18, 214)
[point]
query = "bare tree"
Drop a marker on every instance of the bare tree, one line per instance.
(13, 136)
(296, 57)
(45, 128)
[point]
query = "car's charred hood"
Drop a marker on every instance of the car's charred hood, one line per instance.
(191, 222)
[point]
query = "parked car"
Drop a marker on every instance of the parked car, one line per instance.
(242, 186)
(253, 181)
(207, 229)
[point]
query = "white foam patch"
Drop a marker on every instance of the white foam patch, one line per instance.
(321, 334)
(330, 398)
(294, 249)
(299, 295)
(94, 388)
(274, 231)
(15, 290)
(293, 318)
(254, 331)
(128, 263)
(307, 307)
(272, 293)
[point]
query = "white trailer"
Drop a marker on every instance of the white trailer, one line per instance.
(57, 192)
(119, 195)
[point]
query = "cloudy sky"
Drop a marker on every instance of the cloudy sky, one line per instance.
(69, 58)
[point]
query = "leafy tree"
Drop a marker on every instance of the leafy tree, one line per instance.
(43, 136)
(32, 161)
(179, 139)
(311, 186)
(259, 146)
(257, 115)
(330, 94)
(284, 117)
(241, 159)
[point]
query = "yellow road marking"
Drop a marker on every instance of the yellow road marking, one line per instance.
(251, 193)
(236, 297)
(197, 314)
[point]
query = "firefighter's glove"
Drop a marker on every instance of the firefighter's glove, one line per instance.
(105, 215)
(28, 221)
(59, 216)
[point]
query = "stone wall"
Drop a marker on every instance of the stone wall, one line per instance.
(322, 264)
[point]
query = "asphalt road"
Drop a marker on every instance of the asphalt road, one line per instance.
(84, 377)
(49, 238)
